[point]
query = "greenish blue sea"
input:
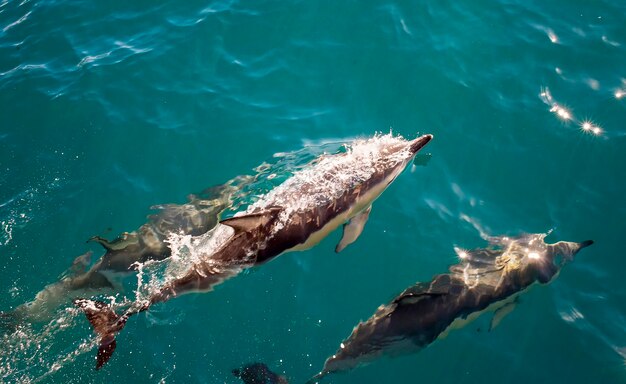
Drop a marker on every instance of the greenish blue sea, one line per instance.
(110, 107)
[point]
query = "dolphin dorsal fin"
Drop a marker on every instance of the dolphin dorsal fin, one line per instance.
(106, 244)
(420, 291)
(246, 223)
(412, 298)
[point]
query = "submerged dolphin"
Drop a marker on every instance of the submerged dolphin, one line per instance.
(294, 216)
(258, 373)
(197, 216)
(485, 279)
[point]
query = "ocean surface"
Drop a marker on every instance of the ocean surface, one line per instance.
(108, 108)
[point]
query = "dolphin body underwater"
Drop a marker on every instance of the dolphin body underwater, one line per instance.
(333, 190)
(485, 279)
(258, 373)
(197, 216)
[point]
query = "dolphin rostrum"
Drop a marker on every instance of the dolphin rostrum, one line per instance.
(258, 373)
(197, 216)
(333, 190)
(486, 279)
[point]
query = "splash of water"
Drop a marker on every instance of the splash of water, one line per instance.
(19, 210)
(31, 353)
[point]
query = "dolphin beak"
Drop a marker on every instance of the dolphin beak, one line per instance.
(568, 249)
(576, 247)
(419, 143)
(586, 243)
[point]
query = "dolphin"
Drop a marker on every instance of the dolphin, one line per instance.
(258, 373)
(197, 216)
(332, 191)
(485, 279)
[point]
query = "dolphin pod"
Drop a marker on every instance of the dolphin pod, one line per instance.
(331, 191)
(296, 215)
(485, 279)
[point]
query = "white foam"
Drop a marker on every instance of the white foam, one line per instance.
(187, 253)
(31, 353)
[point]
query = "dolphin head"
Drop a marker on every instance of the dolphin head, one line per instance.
(340, 361)
(393, 154)
(406, 149)
(563, 252)
(362, 346)
(542, 261)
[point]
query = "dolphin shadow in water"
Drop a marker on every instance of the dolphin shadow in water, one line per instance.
(200, 214)
(485, 279)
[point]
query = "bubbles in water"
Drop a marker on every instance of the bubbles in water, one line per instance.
(30, 353)
(18, 211)
(6, 231)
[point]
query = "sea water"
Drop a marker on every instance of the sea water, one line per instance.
(108, 108)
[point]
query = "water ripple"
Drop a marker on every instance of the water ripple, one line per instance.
(17, 22)
(114, 56)
(526, 100)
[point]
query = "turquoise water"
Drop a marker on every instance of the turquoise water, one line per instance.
(109, 108)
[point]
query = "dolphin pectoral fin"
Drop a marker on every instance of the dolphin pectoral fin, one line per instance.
(252, 221)
(352, 229)
(501, 313)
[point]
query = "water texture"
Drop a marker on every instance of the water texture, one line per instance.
(108, 108)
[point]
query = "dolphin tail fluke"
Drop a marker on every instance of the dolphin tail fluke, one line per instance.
(106, 323)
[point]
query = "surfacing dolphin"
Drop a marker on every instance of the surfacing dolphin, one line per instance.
(199, 215)
(294, 216)
(485, 279)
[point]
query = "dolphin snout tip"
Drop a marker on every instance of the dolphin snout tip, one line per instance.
(420, 142)
(586, 243)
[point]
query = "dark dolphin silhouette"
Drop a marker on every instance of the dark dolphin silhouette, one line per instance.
(485, 279)
(258, 373)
